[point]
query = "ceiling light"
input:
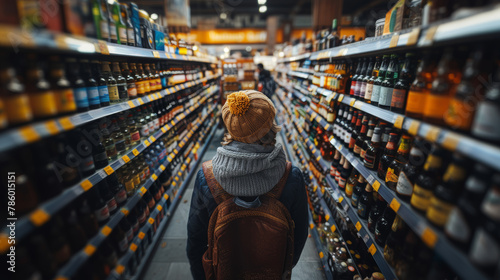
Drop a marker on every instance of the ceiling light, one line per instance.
(111, 2)
(248, 49)
(154, 16)
(281, 54)
(226, 49)
(221, 56)
(195, 48)
(262, 9)
(223, 16)
(261, 2)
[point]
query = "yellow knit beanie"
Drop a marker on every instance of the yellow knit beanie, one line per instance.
(248, 115)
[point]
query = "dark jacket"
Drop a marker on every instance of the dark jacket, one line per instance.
(268, 84)
(294, 198)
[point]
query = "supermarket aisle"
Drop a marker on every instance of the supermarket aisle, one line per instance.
(170, 260)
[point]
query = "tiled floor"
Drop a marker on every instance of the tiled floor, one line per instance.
(170, 261)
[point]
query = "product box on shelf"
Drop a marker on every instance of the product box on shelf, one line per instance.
(134, 15)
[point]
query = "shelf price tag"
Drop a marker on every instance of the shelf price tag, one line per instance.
(165, 196)
(398, 122)
(125, 158)
(414, 126)
(372, 249)
(352, 102)
(311, 225)
(120, 269)
(140, 101)
(143, 190)
(395, 204)
(413, 36)
(102, 47)
(341, 97)
(131, 104)
(154, 177)
(124, 211)
(162, 167)
(152, 138)
(51, 127)
(86, 185)
(135, 152)
(358, 226)
(146, 142)
(429, 237)
(39, 217)
(321, 255)
(89, 249)
(394, 41)
(133, 247)
(327, 217)
(450, 141)
(141, 235)
(333, 228)
(376, 185)
(156, 54)
(109, 170)
(341, 199)
(159, 207)
(66, 123)
(433, 134)
(106, 230)
(163, 129)
(429, 35)
(151, 220)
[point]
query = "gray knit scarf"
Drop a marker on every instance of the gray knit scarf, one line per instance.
(248, 169)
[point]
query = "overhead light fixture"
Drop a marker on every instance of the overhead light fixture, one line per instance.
(261, 2)
(248, 49)
(226, 49)
(154, 16)
(223, 16)
(221, 56)
(281, 54)
(262, 9)
(111, 2)
(195, 48)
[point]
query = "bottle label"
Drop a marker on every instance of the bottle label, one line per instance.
(368, 91)
(491, 204)
(385, 96)
(137, 180)
(353, 86)
(121, 196)
(398, 98)
(122, 91)
(459, 115)
(43, 104)
(132, 90)
(104, 30)
(485, 122)
(348, 189)
(87, 164)
(110, 150)
(140, 88)
(485, 251)
(404, 187)
(357, 87)
(416, 101)
(100, 157)
(369, 161)
(376, 93)
(156, 124)
(342, 182)
(362, 210)
(147, 87)
(337, 175)
(438, 211)
(135, 136)
(333, 170)
(81, 97)
(352, 141)
(102, 214)
(129, 186)
(357, 149)
(65, 101)
(18, 108)
(131, 36)
(330, 117)
(93, 95)
(112, 204)
(436, 106)
(421, 198)
(354, 199)
(112, 32)
(362, 89)
(120, 145)
(362, 153)
(123, 245)
(391, 176)
(103, 94)
(130, 234)
(113, 93)
(151, 203)
(142, 217)
(122, 31)
(164, 82)
(457, 226)
(135, 227)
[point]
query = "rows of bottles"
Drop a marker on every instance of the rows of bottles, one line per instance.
(55, 243)
(457, 89)
(35, 88)
(51, 165)
(454, 193)
(121, 23)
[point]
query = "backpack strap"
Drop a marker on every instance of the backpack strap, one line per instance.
(219, 194)
(278, 189)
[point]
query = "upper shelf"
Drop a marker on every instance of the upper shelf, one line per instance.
(294, 58)
(15, 37)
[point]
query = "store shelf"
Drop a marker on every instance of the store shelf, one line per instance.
(15, 37)
(72, 267)
(294, 58)
(323, 254)
(124, 260)
(33, 132)
(433, 237)
(318, 118)
(45, 211)
(483, 24)
(301, 75)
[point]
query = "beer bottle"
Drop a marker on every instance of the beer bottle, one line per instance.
(383, 226)
(76, 235)
(135, 136)
(44, 155)
(108, 196)
(118, 138)
(128, 181)
(446, 193)
(387, 156)
(360, 139)
(354, 129)
(354, 78)
(339, 169)
(395, 166)
(131, 86)
(377, 84)
(83, 151)
(109, 255)
(91, 85)
(156, 77)
(365, 202)
(42, 98)
(102, 84)
(370, 160)
(13, 95)
(109, 144)
(139, 81)
(443, 89)
(113, 32)
(119, 240)
(66, 166)
(121, 27)
(124, 130)
(376, 211)
(351, 182)
(485, 124)
(128, 22)
(127, 229)
(464, 217)
(114, 95)
(411, 169)
(420, 87)
(364, 80)
(151, 78)
(163, 76)
(98, 205)
(117, 189)
(87, 218)
(398, 101)
(79, 87)
(154, 116)
(426, 181)
(395, 240)
(121, 83)
(145, 79)
(461, 110)
(387, 86)
(358, 190)
(57, 243)
(42, 256)
(65, 100)
(101, 19)
(366, 141)
(404, 264)
(370, 80)
(346, 170)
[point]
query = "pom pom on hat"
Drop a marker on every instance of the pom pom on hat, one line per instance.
(238, 103)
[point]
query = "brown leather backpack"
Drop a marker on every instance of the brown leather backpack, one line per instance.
(248, 243)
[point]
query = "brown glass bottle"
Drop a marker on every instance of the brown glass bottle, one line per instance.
(15, 99)
(131, 86)
(65, 100)
(371, 80)
(420, 87)
(387, 156)
(395, 240)
(400, 91)
(145, 79)
(121, 82)
(151, 78)
(139, 84)
(410, 171)
(383, 226)
(371, 157)
(365, 202)
(346, 170)
(351, 182)
(41, 98)
(360, 139)
(114, 95)
(358, 191)
(394, 168)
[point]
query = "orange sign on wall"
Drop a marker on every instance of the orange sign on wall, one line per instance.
(229, 36)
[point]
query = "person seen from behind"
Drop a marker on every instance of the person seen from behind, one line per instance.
(266, 84)
(248, 215)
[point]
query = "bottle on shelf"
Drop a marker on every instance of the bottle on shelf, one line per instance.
(446, 193)
(411, 169)
(421, 86)
(139, 80)
(121, 27)
(371, 158)
(377, 84)
(58, 243)
(65, 99)
(114, 95)
(367, 138)
(113, 32)
(351, 182)
(370, 80)
(42, 99)
(364, 79)
(74, 231)
(387, 156)
(376, 211)
(101, 19)
(360, 139)
(400, 92)
(383, 226)
(121, 82)
(426, 181)
(346, 170)
(443, 89)
(332, 39)
(404, 265)
(365, 202)
(387, 86)
(339, 169)
(102, 84)
(400, 159)
(15, 101)
(78, 85)
(131, 86)
(126, 16)
(358, 191)
(91, 85)
(395, 241)
(354, 79)
(145, 78)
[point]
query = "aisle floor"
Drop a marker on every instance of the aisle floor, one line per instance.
(170, 260)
